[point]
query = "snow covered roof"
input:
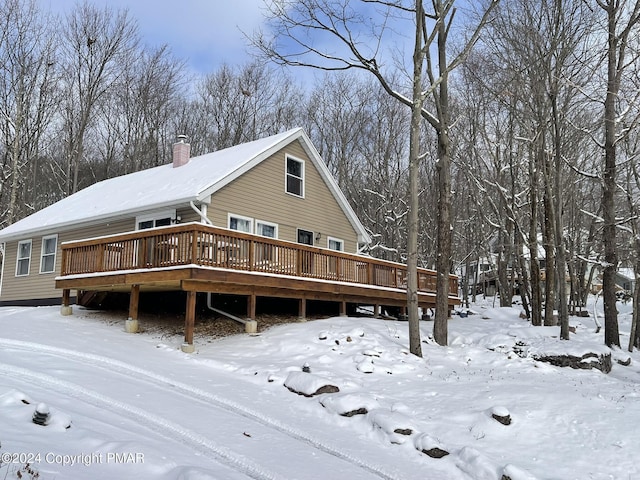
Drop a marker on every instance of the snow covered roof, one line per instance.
(165, 186)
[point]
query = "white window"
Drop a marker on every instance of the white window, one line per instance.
(48, 258)
(158, 219)
(295, 177)
(266, 229)
(335, 244)
(24, 258)
(242, 224)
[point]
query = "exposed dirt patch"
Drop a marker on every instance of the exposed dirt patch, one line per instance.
(207, 326)
(210, 327)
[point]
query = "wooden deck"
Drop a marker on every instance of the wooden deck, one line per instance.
(195, 257)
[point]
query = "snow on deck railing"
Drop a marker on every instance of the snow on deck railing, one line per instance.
(203, 245)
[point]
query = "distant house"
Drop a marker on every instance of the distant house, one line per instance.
(626, 279)
(277, 187)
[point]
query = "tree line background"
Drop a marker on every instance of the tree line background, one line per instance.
(82, 99)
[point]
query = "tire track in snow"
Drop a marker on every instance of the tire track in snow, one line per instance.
(192, 392)
(158, 424)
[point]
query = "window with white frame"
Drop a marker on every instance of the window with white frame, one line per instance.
(335, 244)
(48, 257)
(266, 252)
(266, 229)
(240, 223)
(295, 176)
(157, 219)
(24, 258)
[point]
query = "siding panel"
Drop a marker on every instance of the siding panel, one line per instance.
(42, 286)
(260, 194)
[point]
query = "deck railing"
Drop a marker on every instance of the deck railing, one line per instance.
(203, 245)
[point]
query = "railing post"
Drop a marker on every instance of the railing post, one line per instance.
(100, 252)
(195, 258)
(63, 265)
(252, 246)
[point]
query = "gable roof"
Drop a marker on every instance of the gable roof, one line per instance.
(166, 186)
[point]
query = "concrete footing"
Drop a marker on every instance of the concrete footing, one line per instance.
(66, 310)
(188, 347)
(131, 325)
(251, 326)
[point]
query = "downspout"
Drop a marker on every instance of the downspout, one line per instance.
(2, 257)
(221, 312)
(202, 212)
(204, 219)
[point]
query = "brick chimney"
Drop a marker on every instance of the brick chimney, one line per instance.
(181, 152)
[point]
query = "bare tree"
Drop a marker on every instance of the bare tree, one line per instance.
(27, 100)
(341, 23)
(242, 103)
(622, 19)
(96, 44)
(361, 133)
(134, 130)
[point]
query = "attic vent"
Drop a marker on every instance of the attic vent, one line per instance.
(181, 151)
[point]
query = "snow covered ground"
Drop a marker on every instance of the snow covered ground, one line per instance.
(134, 406)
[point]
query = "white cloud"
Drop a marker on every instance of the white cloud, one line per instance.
(205, 33)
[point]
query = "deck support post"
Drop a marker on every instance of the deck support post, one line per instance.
(251, 325)
(66, 309)
(302, 309)
(251, 306)
(343, 308)
(189, 323)
(131, 324)
(376, 310)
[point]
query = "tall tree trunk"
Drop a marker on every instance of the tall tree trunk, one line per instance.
(414, 164)
(611, 334)
(536, 294)
(443, 260)
(549, 247)
(634, 337)
(561, 256)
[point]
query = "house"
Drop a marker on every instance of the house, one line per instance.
(276, 187)
(264, 218)
(626, 279)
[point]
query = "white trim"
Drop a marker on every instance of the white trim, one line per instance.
(42, 254)
(156, 215)
(302, 177)
(337, 240)
(30, 242)
(268, 224)
(239, 217)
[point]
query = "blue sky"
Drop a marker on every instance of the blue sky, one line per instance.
(205, 33)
